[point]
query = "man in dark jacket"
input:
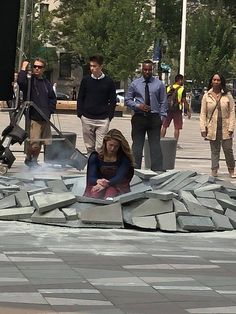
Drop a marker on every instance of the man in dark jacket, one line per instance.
(96, 104)
(43, 96)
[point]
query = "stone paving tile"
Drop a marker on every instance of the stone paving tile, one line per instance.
(210, 307)
(26, 309)
(153, 308)
(118, 297)
(80, 309)
(116, 263)
(22, 297)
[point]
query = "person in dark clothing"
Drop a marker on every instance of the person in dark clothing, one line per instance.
(43, 96)
(110, 171)
(96, 104)
(146, 96)
(73, 94)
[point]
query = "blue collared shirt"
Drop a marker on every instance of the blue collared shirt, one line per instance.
(136, 95)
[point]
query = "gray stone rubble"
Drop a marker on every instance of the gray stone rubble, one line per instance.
(181, 201)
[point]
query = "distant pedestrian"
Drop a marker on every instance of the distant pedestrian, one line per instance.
(217, 122)
(96, 104)
(73, 94)
(175, 111)
(146, 96)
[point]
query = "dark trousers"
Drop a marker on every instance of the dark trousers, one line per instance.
(227, 146)
(150, 124)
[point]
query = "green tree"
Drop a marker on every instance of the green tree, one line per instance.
(169, 15)
(210, 45)
(123, 31)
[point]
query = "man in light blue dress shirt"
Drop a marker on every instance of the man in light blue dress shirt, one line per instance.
(146, 96)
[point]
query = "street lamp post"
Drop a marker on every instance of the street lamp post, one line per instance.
(183, 38)
(22, 41)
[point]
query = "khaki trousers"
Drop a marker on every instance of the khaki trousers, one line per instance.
(94, 132)
(227, 146)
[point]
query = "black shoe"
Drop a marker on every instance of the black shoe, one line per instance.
(31, 163)
(34, 163)
(28, 162)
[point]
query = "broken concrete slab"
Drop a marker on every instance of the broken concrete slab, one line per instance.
(7, 202)
(16, 213)
(144, 174)
(205, 179)
(69, 182)
(224, 196)
(47, 177)
(231, 214)
(187, 196)
(207, 194)
(147, 222)
(195, 223)
(180, 208)
(161, 194)
(221, 222)
(167, 181)
(226, 203)
(85, 199)
(40, 183)
(36, 190)
(173, 185)
(166, 222)
(57, 186)
(153, 206)
(160, 178)
(209, 187)
(108, 214)
(226, 184)
(127, 209)
(22, 199)
(47, 202)
(185, 183)
(24, 176)
(135, 180)
(10, 188)
(140, 187)
(197, 209)
(79, 186)
(70, 213)
(54, 216)
(72, 176)
(137, 192)
(231, 193)
(212, 204)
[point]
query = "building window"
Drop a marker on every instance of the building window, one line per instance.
(65, 65)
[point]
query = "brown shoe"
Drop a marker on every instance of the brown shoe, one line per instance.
(214, 173)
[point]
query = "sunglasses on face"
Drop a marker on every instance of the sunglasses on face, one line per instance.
(38, 66)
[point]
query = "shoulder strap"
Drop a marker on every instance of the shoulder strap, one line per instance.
(217, 103)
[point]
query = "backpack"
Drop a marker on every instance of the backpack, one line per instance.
(172, 99)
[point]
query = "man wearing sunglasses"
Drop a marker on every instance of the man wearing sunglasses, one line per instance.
(43, 96)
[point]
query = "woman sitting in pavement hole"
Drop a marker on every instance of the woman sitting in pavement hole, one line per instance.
(110, 171)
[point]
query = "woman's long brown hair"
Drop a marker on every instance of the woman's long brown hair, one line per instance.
(124, 145)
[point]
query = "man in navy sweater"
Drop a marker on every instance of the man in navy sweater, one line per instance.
(96, 104)
(44, 98)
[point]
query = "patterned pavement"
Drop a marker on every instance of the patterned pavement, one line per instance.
(46, 269)
(60, 270)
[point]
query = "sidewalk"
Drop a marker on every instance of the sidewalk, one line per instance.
(195, 154)
(47, 269)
